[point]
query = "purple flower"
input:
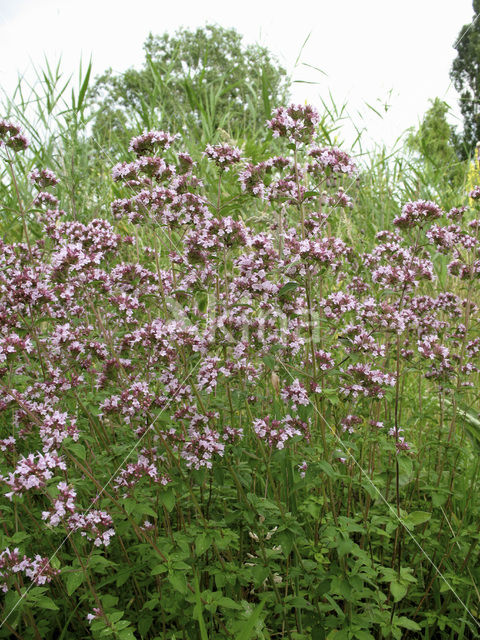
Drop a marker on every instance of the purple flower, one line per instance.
(474, 194)
(151, 141)
(330, 160)
(43, 178)
(417, 214)
(276, 433)
(11, 136)
(295, 394)
(297, 123)
(223, 155)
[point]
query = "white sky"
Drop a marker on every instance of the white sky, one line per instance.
(382, 52)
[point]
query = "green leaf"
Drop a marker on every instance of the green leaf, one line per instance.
(46, 603)
(228, 603)
(167, 498)
(144, 624)
(145, 509)
(115, 616)
(78, 449)
(286, 540)
(269, 362)
(220, 580)
(202, 301)
(402, 621)
(246, 633)
(417, 517)
(12, 605)
(73, 581)
(123, 624)
(129, 505)
(159, 568)
(109, 600)
(19, 536)
(299, 603)
(363, 635)
(318, 632)
(202, 543)
(122, 577)
(84, 87)
(344, 547)
(178, 582)
(439, 498)
(398, 590)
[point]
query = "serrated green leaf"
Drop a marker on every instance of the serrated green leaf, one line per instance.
(145, 510)
(122, 577)
(115, 616)
(344, 547)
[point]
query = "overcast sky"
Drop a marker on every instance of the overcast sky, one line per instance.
(393, 54)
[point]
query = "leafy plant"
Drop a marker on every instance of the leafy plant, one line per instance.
(226, 415)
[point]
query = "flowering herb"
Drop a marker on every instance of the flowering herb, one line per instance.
(209, 400)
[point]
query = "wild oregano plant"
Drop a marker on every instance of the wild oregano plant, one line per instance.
(221, 419)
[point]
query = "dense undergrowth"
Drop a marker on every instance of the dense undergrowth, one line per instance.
(241, 402)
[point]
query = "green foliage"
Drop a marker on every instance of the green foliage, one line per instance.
(54, 113)
(465, 73)
(198, 81)
(434, 142)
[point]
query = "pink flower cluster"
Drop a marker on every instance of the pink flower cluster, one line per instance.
(223, 155)
(151, 141)
(146, 466)
(32, 472)
(43, 178)
(417, 213)
(277, 433)
(296, 122)
(331, 160)
(170, 338)
(201, 446)
(368, 382)
(38, 569)
(11, 136)
(295, 394)
(94, 524)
